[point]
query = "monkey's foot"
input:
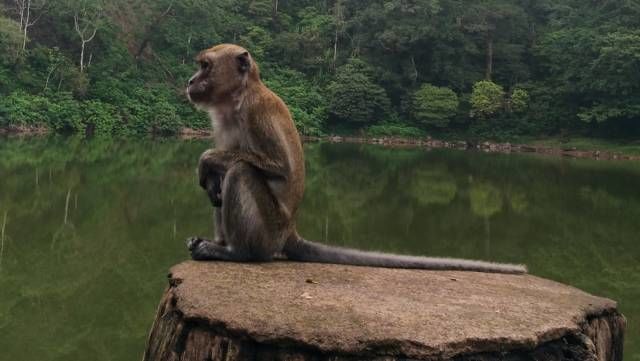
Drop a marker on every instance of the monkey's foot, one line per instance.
(193, 242)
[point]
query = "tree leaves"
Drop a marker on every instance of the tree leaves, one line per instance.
(434, 106)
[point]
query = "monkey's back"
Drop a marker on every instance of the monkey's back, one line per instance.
(276, 136)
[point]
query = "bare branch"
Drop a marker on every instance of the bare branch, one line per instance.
(95, 30)
(82, 16)
(41, 10)
(25, 8)
(75, 23)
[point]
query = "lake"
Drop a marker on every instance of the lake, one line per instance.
(92, 226)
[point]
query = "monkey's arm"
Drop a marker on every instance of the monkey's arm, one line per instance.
(213, 162)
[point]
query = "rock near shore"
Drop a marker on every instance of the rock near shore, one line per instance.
(303, 311)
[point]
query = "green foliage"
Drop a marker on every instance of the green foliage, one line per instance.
(10, 39)
(260, 10)
(101, 118)
(345, 65)
(22, 109)
(614, 72)
(519, 100)
(487, 99)
(65, 113)
(304, 99)
(306, 46)
(258, 40)
(388, 129)
(595, 70)
(434, 106)
(149, 111)
(355, 97)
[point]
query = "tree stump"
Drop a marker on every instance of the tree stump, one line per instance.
(305, 311)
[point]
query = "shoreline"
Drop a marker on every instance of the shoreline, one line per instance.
(430, 143)
(24, 130)
(400, 142)
(485, 146)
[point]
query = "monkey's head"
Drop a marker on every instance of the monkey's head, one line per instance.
(224, 70)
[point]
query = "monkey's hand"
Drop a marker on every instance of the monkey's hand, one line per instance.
(210, 176)
(212, 165)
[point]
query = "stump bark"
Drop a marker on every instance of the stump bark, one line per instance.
(304, 311)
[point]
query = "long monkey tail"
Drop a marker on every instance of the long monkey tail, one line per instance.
(299, 249)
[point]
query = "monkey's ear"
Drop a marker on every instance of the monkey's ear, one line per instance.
(244, 62)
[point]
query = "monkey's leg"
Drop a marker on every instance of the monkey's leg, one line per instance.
(212, 185)
(211, 180)
(253, 225)
(218, 238)
(217, 226)
(214, 191)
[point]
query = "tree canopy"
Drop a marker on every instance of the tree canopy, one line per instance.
(443, 66)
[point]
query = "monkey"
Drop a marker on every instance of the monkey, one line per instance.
(254, 176)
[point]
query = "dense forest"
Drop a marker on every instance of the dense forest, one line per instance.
(481, 68)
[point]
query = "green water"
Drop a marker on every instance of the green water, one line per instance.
(93, 226)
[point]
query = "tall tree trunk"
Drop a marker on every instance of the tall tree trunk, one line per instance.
(335, 49)
(46, 83)
(274, 14)
(25, 24)
(414, 76)
(82, 57)
(4, 225)
(26, 18)
(82, 33)
(20, 5)
(337, 13)
(489, 57)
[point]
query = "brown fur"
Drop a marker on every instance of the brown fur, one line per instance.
(254, 132)
(255, 175)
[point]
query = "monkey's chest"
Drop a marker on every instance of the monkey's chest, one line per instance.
(227, 138)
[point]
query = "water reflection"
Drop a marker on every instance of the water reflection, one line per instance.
(89, 228)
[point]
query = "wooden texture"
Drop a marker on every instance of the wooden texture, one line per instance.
(302, 311)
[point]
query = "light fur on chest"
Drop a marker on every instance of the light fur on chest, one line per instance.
(226, 131)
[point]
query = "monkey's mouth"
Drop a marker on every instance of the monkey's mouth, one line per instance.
(195, 93)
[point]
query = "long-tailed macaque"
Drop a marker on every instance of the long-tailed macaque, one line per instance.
(255, 175)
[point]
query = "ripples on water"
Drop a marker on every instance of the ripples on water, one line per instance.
(92, 227)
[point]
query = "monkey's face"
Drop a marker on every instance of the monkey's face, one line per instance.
(223, 71)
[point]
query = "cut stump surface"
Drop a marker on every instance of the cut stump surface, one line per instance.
(305, 311)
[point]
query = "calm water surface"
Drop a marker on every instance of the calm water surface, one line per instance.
(92, 227)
